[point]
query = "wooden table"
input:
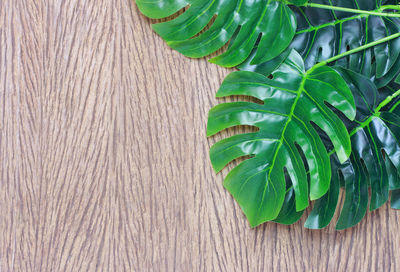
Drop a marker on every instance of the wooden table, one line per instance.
(104, 158)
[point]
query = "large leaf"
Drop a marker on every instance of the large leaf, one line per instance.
(272, 23)
(322, 34)
(293, 101)
(374, 162)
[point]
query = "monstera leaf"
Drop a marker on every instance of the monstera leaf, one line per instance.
(293, 101)
(272, 23)
(374, 162)
(322, 34)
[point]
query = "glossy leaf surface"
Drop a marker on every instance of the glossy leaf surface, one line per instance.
(322, 34)
(292, 101)
(374, 162)
(324, 208)
(271, 23)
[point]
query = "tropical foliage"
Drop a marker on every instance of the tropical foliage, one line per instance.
(324, 78)
(272, 23)
(323, 33)
(374, 162)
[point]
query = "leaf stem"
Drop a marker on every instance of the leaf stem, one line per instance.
(387, 101)
(385, 7)
(358, 49)
(355, 50)
(374, 115)
(314, 5)
(395, 106)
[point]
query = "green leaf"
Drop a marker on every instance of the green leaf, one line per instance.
(271, 23)
(160, 9)
(397, 80)
(292, 101)
(375, 157)
(324, 208)
(298, 2)
(356, 198)
(322, 34)
(289, 214)
(395, 199)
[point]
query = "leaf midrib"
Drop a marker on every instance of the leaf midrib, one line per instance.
(312, 28)
(281, 138)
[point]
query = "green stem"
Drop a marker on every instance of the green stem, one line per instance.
(374, 115)
(358, 49)
(395, 106)
(385, 7)
(387, 101)
(355, 50)
(313, 5)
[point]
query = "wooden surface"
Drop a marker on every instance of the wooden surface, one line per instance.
(104, 160)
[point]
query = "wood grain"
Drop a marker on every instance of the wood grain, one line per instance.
(104, 160)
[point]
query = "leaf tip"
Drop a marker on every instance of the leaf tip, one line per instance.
(313, 223)
(313, 197)
(254, 222)
(340, 227)
(253, 225)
